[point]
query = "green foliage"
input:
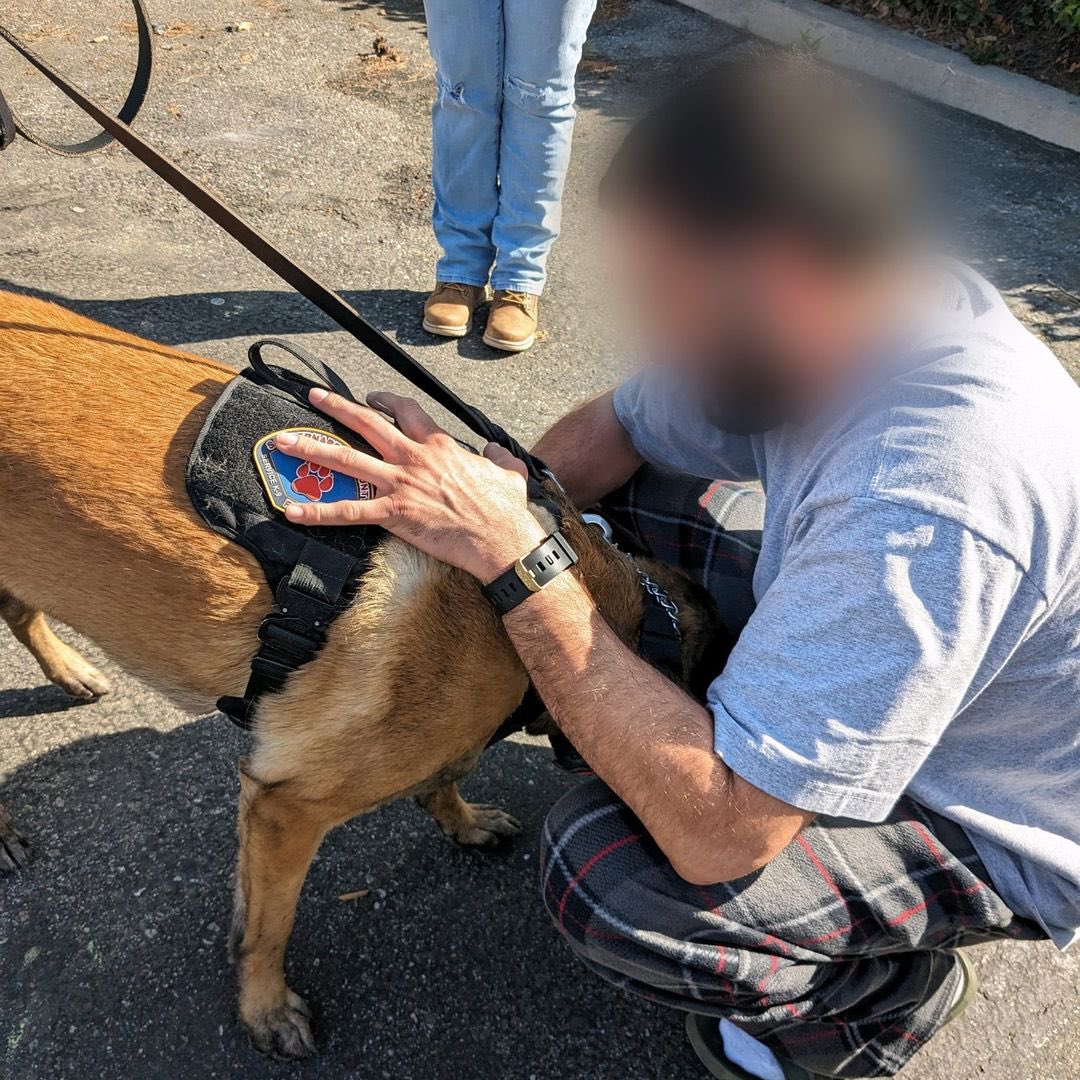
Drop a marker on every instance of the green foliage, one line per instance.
(1067, 13)
(1050, 17)
(1038, 37)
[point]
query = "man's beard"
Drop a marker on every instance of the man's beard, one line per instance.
(744, 394)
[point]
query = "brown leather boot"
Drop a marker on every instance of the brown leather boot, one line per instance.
(511, 324)
(448, 311)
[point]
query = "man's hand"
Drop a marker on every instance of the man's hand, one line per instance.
(464, 509)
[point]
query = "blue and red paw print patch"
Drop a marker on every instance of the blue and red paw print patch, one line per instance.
(290, 480)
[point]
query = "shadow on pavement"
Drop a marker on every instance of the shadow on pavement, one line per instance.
(34, 701)
(396, 10)
(448, 967)
(213, 316)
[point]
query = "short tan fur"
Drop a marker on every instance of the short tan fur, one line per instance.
(414, 679)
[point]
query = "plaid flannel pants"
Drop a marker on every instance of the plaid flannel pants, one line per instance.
(838, 951)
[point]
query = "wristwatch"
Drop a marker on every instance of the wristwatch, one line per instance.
(531, 573)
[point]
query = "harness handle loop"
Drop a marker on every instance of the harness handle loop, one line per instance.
(296, 387)
(11, 124)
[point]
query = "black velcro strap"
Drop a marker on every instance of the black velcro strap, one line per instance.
(307, 601)
(321, 575)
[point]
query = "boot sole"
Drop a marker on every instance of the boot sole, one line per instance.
(971, 987)
(447, 331)
(509, 346)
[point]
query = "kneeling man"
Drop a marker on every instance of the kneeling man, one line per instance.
(887, 769)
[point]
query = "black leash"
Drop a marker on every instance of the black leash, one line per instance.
(11, 124)
(303, 281)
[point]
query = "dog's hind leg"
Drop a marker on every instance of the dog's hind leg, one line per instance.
(469, 824)
(60, 662)
(279, 835)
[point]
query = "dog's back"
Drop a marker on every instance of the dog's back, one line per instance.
(96, 527)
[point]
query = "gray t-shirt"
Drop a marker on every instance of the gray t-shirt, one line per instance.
(917, 628)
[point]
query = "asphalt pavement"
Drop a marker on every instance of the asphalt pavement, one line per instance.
(112, 959)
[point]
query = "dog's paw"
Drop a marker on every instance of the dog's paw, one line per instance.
(78, 678)
(487, 828)
(14, 850)
(283, 1031)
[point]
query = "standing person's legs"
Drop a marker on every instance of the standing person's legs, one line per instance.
(544, 39)
(466, 42)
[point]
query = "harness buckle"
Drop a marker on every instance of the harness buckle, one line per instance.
(272, 632)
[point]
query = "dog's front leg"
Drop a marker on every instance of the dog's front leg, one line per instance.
(469, 824)
(279, 835)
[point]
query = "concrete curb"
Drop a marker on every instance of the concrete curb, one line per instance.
(929, 70)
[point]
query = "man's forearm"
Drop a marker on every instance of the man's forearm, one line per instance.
(649, 741)
(589, 451)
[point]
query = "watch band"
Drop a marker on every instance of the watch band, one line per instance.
(531, 573)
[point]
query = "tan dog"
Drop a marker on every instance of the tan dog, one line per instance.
(416, 675)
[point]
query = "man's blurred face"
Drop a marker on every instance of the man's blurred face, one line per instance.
(758, 324)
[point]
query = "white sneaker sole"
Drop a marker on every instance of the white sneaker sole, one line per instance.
(447, 331)
(509, 346)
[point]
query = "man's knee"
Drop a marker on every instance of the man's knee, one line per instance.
(585, 847)
(633, 921)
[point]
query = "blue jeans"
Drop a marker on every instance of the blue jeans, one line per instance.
(501, 129)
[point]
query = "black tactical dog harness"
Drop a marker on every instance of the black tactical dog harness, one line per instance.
(313, 572)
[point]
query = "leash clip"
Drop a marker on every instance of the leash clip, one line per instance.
(597, 521)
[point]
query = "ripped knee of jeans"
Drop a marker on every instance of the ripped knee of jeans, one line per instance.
(540, 99)
(450, 92)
